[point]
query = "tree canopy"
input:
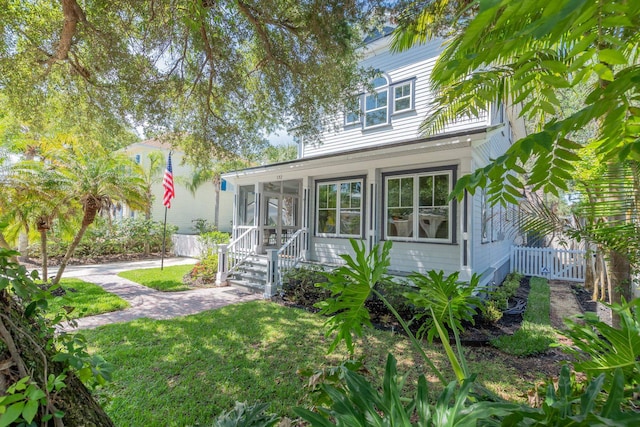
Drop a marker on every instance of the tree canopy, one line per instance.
(223, 72)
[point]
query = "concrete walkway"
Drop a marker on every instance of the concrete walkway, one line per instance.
(147, 302)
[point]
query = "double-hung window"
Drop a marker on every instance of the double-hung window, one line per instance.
(339, 208)
(376, 105)
(416, 206)
(402, 97)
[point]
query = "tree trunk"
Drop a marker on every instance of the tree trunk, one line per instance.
(70, 250)
(147, 217)
(217, 183)
(23, 245)
(25, 347)
(43, 252)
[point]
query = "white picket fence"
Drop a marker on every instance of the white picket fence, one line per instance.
(552, 264)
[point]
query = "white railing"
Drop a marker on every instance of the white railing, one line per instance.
(230, 256)
(552, 264)
(287, 257)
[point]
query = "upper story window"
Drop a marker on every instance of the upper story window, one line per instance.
(403, 97)
(384, 98)
(376, 109)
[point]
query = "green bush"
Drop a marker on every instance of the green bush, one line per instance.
(491, 312)
(206, 268)
(125, 236)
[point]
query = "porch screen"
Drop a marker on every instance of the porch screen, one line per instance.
(339, 208)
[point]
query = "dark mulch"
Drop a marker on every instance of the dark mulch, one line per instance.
(583, 297)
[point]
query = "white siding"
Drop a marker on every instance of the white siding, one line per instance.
(422, 257)
(417, 64)
(489, 257)
(328, 250)
(185, 207)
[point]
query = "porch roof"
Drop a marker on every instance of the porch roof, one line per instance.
(433, 143)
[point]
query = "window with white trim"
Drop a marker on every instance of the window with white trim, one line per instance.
(376, 106)
(403, 97)
(339, 208)
(416, 206)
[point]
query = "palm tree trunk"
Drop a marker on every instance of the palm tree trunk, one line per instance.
(23, 244)
(70, 250)
(43, 251)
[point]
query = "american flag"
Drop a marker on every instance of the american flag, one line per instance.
(167, 183)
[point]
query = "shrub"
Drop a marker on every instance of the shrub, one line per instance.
(125, 236)
(491, 312)
(206, 268)
(202, 226)
(444, 299)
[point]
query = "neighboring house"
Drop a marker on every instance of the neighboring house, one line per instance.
(186, 207)
(377, 178)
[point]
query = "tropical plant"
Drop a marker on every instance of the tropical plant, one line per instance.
(602, 349)
(43, 372)
(445, 300)
(244, 415)
(461, 402)
(522, 52)
(359, 403)
(98, 178)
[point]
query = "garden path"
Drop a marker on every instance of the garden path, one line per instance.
(147, 302)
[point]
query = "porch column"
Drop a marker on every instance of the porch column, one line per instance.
(223, 270)
(271, 285)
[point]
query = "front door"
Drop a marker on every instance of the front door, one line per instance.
(280, 212)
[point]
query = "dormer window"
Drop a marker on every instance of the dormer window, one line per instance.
(376, 106)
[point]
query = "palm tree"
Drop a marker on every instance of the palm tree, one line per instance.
(151, 175)
(98, 178)
(36, 197)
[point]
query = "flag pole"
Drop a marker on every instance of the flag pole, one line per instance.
(169, 193)
(164, 239)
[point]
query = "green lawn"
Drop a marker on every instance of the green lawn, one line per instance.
(167, 280)
(185, 371)
(87, 298)
(536, 333)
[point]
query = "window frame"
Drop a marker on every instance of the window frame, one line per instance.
(338, 209)
(411, 96)
(451, 173)
(376, 91)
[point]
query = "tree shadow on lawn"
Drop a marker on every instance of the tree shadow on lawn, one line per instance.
(189, 369)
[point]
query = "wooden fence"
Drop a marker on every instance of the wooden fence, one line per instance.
(552, 264)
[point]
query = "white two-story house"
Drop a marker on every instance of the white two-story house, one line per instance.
(375, 177)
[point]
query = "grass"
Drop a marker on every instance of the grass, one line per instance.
(167, 280)
(536, 333)
(187, 370)
(87, 298)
